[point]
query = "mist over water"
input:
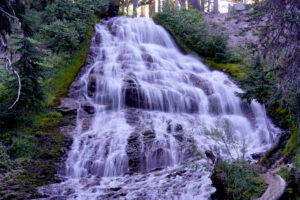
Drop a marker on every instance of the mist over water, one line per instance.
(144, 113)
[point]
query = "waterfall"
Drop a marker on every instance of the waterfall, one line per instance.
(146, 111)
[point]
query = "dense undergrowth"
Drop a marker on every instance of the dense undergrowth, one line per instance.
(238, 180)
(196, 36)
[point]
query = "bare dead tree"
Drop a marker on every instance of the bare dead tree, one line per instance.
(8, 63)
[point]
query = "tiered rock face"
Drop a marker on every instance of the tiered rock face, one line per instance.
(143, 109)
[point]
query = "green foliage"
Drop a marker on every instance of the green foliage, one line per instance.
(192, 33)
(5, 161)
(284, 172)
(240, 180)
(31, 73)
(234, 69)
(23, 146)
(65, 31)
(292, 144)
(257, 83)
(297, 161)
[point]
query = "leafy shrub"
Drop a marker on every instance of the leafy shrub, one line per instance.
(238, 180)
(22, 146)
(4, 157)
(65, 31)
(193, 33)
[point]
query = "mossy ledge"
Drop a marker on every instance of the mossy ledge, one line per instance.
(20, 179)
(69, 68)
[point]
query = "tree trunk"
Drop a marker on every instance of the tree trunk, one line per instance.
(202, 5)
(127, 7)
(135, 3)
(196, 4)
(152, 8)
(159, 5)
(143, 13)
(209, 4)
(123, 6)
(216, 6)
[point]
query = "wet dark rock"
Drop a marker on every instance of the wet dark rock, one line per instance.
(132, 116)
(178, 173)
(169, 128)
(157, 169)
(147, 58)
(133, 150)
(210, 155)
(203, 84)
(193, 106)
(90, 58)
(179, 137)
(178, 128)
(148, 136)
(92, 86)
(88, 108)
(229, 109)
(67, 105)
(133, 94)
(257, 156)
(75, 89)
(160, 158)
(69, 191)
(112, 28)
(248, 112)
(214, 105)
(115, 189)
(98, 38)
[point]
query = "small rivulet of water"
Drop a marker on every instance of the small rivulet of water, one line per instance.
(146, 115)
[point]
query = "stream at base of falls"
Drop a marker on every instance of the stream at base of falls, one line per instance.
(147, 113)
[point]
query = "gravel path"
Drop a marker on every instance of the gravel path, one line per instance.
(276, 186)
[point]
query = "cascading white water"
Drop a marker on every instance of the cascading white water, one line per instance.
(144, 107)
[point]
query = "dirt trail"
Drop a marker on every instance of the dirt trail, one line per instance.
(276, 186)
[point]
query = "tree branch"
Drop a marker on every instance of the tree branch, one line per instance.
(9, 15)
(9, 67)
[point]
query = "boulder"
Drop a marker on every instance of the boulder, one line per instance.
(67, 105)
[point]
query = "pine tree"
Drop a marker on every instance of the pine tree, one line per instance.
(31, 72)
(257, 83)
